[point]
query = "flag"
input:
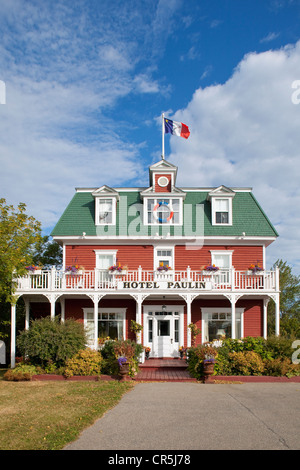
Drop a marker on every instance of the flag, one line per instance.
(176, 128)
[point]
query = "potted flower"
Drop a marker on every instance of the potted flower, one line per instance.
(163, 268)
(136, 328)
(211, 268)
(123, 368)
(147, 351)
(255, 269)
(74, 269)
(209, 359)
(117, 269)
(181, 351)
(32, 269)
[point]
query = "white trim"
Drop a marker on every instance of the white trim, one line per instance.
(156, 197)
(205, 311)
(222, 253)
(105, 252)
(163, 247)
(90, 310)
(99, 198)
(214, 199)
(156, 308)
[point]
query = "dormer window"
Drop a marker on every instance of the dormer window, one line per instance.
(105, 205)
(164, 211)
(221, 211)
(106, 212)
(221, 205)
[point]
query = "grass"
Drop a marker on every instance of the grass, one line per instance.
(47, 415)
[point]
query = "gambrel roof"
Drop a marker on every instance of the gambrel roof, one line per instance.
(248, 216)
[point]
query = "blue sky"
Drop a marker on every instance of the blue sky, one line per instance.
(86, 82)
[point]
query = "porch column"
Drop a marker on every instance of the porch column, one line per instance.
(96, 300)
(265, 318)
(232, 300)
(52, 304)
(62, 309)
(27, 304)
(188, 319)
(138, 316)
(13, 337)
(277, 315)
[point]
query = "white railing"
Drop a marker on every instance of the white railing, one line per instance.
(225, 279)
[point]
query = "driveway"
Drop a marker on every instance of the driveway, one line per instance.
(193, 416)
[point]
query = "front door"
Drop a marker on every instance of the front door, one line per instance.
(164, 332)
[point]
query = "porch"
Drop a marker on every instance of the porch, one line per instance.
(144, 280)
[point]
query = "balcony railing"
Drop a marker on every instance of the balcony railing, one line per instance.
(97, 280)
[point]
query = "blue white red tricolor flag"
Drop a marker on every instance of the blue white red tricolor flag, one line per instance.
(176, 128)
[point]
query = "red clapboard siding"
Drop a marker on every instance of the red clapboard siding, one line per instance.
(74, 309)
(132, 256)
(253, 317)
(242, 256)
(165, 189)
(142, 255)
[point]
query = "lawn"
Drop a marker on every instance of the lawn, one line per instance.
(46, 415)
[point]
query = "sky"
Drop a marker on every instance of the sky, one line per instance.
(83, 85)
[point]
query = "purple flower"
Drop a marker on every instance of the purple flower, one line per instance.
(121, 361)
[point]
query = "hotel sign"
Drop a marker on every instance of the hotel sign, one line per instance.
(166, 285)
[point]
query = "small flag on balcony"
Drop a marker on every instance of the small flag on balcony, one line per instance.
(176, 128)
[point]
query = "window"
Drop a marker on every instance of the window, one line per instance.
(163, 211)
(222, 259)
(221, 211)
(217, 323)
(105, 211)
(164, 257)
(105, 259)
(111, 322)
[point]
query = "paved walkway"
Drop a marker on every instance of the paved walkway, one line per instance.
(189, 416)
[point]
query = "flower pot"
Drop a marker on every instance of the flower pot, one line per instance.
(124, 372)
(208, 369)
(147, 353)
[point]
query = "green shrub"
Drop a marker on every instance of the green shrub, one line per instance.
(246, 363)
(277, 367)
(49, 342)
(85, 362)
(280, 347)
(20, 372)
(121, 348)
(196, 356)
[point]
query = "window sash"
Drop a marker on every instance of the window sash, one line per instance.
(163, 212)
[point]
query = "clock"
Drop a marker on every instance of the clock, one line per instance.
(163, 181)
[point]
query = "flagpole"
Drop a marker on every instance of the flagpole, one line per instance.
(163, 136)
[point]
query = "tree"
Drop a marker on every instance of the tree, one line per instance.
(289, 302)
(47, 253)
(19, 233)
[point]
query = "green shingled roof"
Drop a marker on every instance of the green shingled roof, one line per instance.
(248, 217)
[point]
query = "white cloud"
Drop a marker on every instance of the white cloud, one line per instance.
(245, 132)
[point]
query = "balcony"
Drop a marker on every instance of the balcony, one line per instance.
(148, 281)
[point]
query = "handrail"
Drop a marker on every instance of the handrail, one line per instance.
(223, 279)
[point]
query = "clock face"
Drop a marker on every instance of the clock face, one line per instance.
(163, 181)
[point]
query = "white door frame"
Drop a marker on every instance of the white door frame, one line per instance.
(167, 346)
